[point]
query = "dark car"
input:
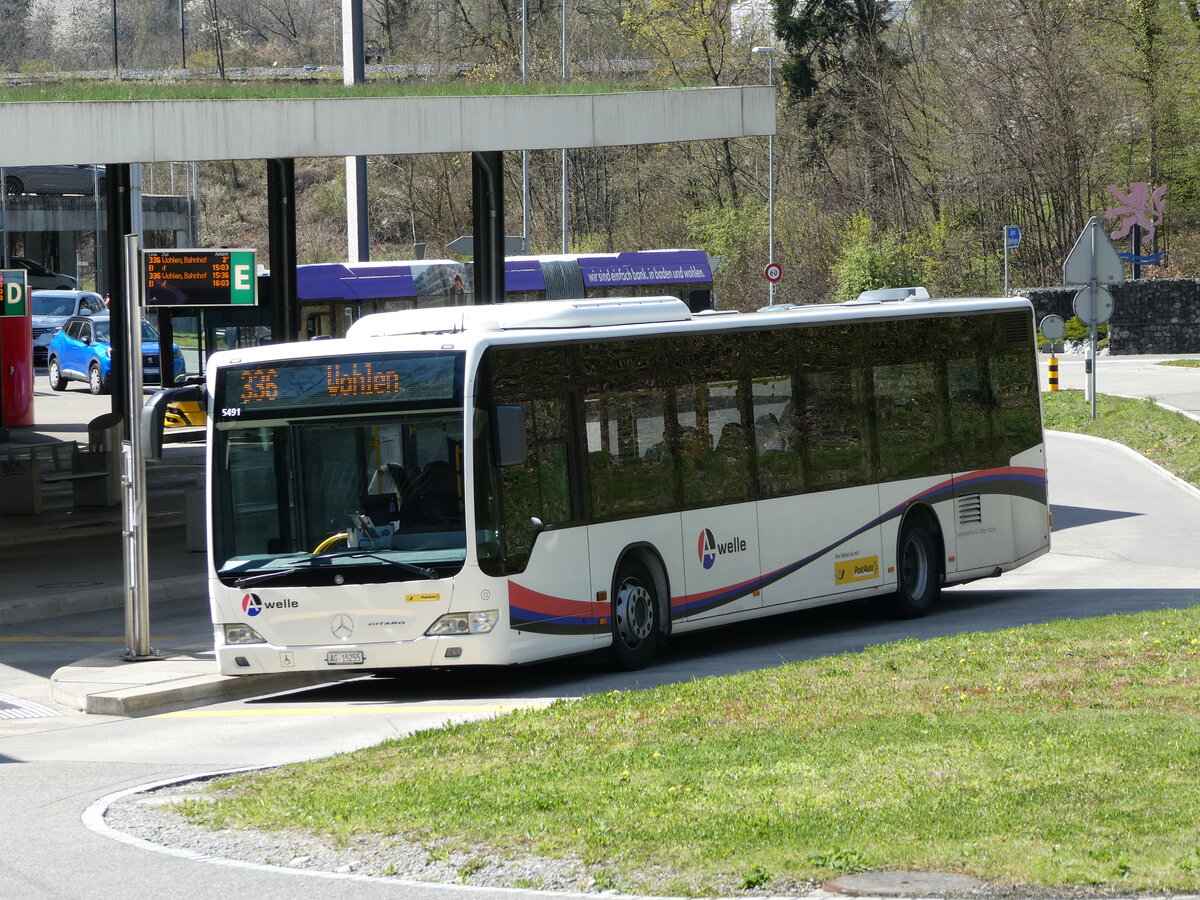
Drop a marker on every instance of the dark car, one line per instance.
(54, 180)
(82, 351)
(50, 309)
(38, 276)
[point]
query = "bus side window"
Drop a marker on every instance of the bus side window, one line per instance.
(1019, 409)
(970, 415)
(780, 451)
(904, 405)
(629, 474)
(833, 424)
(537, 380)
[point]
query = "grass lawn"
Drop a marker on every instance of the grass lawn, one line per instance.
(1049, 756)
(1186, 363)
(266, 89)
(1056, 758)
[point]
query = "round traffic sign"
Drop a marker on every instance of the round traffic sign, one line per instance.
(774, 272)
(1095, 312)
(1053, 327)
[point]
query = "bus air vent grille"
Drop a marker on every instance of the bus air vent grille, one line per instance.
(970, 509)
(1018, 329)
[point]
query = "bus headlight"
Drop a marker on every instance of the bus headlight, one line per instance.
(237, 633)
(465, 623)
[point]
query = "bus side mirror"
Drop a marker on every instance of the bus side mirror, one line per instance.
(154, 413)
(508, 435)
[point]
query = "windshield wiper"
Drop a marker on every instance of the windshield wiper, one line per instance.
(367, 554)
(247, 580)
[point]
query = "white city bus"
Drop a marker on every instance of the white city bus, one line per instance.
(495, 485)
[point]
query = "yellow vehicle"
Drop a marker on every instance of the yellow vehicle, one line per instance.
(185, 414)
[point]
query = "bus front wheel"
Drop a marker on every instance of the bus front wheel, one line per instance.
(918, 583)
(635, 616)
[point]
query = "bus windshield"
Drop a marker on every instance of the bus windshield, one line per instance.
(367, 489)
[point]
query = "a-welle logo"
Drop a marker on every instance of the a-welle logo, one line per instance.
(709, 548)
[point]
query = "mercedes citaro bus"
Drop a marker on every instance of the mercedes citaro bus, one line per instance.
(491, 485)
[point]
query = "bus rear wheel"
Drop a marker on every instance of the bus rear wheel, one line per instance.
(919, 576)
(635, 616)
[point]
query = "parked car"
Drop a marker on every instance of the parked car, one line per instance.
(50, 309)
(82, 351)
(54, 180)
(38, 276)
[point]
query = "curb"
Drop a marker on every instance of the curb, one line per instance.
(1168, 407)
(195, 682)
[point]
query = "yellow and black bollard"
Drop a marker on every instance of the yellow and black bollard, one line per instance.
(1053, 373)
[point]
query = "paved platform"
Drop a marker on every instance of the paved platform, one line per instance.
(62, 585)
(181, 676)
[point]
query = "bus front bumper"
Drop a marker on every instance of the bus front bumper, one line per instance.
(424, 652)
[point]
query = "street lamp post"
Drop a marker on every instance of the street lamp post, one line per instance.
(525, 225)
(116, 37)
(770, 53)
(566, 195)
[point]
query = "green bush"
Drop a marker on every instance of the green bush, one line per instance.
(871, 259)
(1078, 330)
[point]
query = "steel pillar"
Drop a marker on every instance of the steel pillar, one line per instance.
(120, 223)
(487, 208)
(281, 228)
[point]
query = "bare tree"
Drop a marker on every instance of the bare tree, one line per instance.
(13, 13)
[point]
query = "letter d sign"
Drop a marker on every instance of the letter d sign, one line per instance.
(13, 282)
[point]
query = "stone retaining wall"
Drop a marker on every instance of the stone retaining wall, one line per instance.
(1150, 315)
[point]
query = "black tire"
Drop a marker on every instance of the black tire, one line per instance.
(96, 383)
(54, 373)
(636, 623)
(919, 577)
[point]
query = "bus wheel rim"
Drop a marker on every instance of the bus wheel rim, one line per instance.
(635, 613)
(916, 568)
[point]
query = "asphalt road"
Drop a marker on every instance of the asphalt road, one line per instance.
(1123, 541)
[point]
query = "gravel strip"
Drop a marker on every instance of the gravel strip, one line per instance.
(152, 817)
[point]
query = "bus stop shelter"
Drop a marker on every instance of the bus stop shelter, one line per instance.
(279, 131)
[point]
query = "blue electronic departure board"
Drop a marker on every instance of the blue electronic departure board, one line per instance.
(337, 383)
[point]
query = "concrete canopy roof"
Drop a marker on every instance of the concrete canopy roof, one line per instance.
(69, 132)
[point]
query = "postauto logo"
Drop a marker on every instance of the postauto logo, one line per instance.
(708, 548)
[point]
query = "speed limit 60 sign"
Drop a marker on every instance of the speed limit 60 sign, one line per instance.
(774, 272)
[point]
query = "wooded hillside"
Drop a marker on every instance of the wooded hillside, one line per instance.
(910, 134)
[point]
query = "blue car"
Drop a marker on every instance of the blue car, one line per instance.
(82, 351)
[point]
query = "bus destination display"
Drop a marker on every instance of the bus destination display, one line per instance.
(199, 277)
(254, 391)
